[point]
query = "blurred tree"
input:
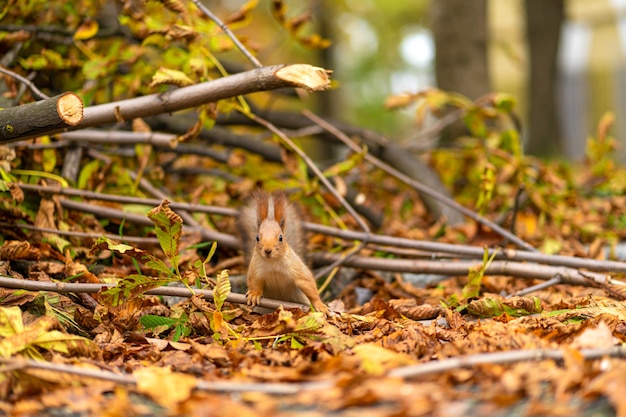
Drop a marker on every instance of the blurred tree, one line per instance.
(460, 32)
(460, 29)
(543, 27)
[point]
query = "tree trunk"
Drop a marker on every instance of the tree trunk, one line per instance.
(460, 29)
(543, 26)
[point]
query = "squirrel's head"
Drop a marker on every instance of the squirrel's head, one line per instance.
(270, 242)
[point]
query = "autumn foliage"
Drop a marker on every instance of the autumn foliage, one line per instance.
(122, 284)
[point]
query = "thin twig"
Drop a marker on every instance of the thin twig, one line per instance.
(26, 82)
(16, 364)
(86, 235)
(513, 356)
(606, 286)
(541, 286)
(224, 239)
(406, 372)
(449, 268)
(86, 288)
(228, 33)
(349, 235)
(417, 185)
(461, 268)
(415, 143)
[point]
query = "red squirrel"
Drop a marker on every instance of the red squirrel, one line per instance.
(274, 245)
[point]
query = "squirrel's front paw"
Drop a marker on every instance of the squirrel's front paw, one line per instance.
(320, 306)
(253, 298)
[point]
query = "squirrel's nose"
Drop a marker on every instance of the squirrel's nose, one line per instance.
(268, 252)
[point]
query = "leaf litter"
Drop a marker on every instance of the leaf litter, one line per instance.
(188, 358)
(457, 345)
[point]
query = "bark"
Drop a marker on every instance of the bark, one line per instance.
(543, 27)
(34, 119)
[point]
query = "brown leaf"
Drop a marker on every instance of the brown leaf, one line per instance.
(16, 192)
(213, 353)
(164, 386)
(600, 336)
(409, 309)
(13, 250)
(305, 76)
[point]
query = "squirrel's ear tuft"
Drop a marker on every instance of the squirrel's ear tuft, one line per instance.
(280, 205)
(262, 202)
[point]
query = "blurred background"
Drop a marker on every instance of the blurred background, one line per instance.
(563, 60)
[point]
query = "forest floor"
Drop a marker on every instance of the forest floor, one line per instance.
(396, 343)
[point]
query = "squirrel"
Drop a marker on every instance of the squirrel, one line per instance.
(274, 248)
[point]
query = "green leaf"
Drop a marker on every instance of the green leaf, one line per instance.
(58, 242)
(98, 68)
(347, 165)
(150, 321)
(169, 226)
(487, 187)
(222, 289)
(475, 121)
(211, 253)
(132, 287)
(87, 172)
(49, 155)
(504, 102)
(475, 275)
(142, 256)
(34, 62)
(295, 343)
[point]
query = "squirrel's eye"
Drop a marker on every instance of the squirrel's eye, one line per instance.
(280, 238)
(257, 238)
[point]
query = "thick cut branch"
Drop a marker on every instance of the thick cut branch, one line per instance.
(41, 117)
(260, 79)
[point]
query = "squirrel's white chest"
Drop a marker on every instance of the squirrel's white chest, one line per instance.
(279, 282)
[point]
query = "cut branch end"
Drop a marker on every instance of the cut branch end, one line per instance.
(70, 109)
(306, 76)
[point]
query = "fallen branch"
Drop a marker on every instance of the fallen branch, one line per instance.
(224, 239)
(80, 288)
(405, 372)
(261, 79)
(421, 188)
(349, 235)
(16, 364)
(512, 356)
(41, 117)
(461, 268)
